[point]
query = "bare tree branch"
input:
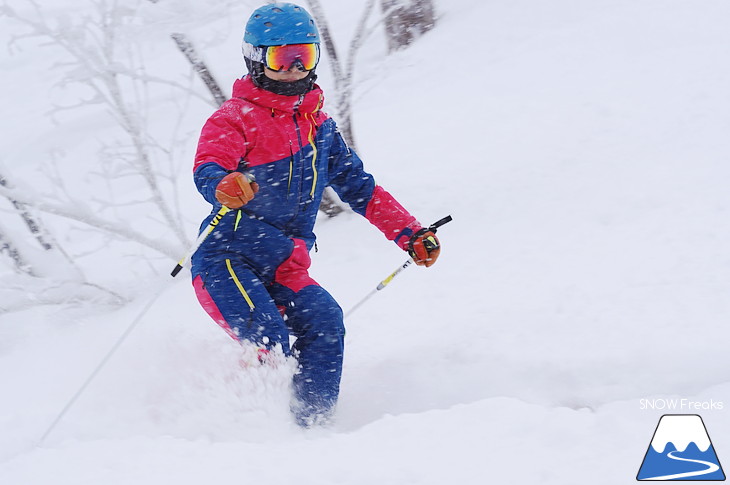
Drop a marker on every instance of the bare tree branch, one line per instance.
(187, 48)
(344, 75)
(44, 238)
(16, 297)
(316, 7)
(80, 213)
(29, 220)
(349, 76)
(101, 74)
(11, 250)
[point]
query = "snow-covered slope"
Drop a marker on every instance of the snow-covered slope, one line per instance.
(581, 148)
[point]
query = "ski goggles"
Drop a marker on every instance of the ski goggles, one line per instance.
(284, 57)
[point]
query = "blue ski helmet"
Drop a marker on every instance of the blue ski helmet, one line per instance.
(280, 24)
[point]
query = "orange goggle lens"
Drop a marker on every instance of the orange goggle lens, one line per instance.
(284, 57)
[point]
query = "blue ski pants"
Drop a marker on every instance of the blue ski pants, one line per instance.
(249, 310)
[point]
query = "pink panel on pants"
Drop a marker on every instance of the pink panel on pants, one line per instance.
(209, 306)
(292, 273)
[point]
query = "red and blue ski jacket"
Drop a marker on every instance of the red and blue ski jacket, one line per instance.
(294, 150)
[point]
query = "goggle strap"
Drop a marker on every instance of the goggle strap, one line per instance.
(254, 53)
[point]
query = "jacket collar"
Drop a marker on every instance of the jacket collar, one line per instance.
(309, 103)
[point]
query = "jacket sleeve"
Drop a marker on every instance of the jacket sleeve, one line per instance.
(357, 188)
(221, 147)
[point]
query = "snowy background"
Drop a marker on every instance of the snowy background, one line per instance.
(582, 149)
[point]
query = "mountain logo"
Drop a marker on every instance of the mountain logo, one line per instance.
(681, 450)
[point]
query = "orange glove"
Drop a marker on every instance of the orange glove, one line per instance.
(424, 247)
(235, 190)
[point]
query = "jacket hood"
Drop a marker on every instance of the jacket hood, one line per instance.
(310, 102)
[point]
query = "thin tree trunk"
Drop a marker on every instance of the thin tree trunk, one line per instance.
(406, 20)
(20, 263)
(33, 226)
(45, 240)
(341, 77)
(186, 47)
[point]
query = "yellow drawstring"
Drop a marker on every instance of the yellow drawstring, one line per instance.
(314, 153)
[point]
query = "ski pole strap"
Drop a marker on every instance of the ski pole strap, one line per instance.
(433, 227)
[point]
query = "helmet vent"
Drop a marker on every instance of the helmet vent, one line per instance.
(277, 10)
(268, 24)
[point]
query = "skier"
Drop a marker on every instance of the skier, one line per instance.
(267, 154)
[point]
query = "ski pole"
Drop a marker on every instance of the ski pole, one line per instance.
(101, 364)
(433, 227)
(216, 219)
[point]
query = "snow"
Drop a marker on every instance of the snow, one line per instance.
(681, 431)
(581, 148)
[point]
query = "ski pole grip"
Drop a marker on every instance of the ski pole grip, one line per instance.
(433, 227)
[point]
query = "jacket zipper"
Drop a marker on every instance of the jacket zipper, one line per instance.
(291, 170)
